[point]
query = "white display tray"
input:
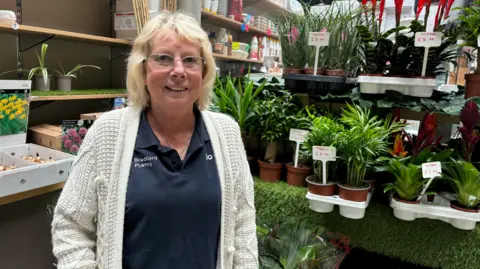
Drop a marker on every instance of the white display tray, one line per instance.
(348, 209)
(418, 87)
(28, 175)
(438, 209)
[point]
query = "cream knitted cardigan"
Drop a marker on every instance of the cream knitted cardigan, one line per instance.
(87, 228)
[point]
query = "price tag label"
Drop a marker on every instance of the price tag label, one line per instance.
(318, 39)
(125, 21)
(428, 39)
(431, 170)
(324, 153)
(298, 135)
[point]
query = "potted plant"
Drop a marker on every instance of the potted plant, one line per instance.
(465, 180)
(469, 117)
(41, 78)
(408, 183)
(325, 131)
(64, 79)
(365, 137)
(293, 40)
(470, 20)
(274, 116)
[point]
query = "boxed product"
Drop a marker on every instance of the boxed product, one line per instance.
(46, 135)
(24, 166)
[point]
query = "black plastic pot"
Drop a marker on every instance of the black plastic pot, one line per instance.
(318, 84)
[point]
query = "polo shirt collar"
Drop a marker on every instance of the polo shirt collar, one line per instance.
(146, 137)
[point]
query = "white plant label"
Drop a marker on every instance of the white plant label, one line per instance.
(298, 135)
(318, 39)
(431, 170)
(321, 153)
(428, 39)
(478, 41)
(125, 21)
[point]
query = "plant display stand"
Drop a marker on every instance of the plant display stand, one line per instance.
(318, 84)
(348, 209)
(419, 87)
(438, 209)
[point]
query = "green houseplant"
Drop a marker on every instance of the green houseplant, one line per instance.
(408, 183)
(325, 131)
(465, 180)
(274, 116)
(293, 39)
(366, 137)
(64, 79)
(470, 21)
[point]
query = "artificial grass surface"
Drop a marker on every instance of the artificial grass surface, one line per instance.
(432, 243)
(79, 92)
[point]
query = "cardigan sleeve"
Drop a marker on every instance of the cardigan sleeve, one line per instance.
(246, 248)
(73, 226)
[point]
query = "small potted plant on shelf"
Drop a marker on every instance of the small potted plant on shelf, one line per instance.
(40, 75)
(465, 180)
(366, 138)
(64, 79)
(325, 131)
(470, 20)
(274, 116)
(293, 40)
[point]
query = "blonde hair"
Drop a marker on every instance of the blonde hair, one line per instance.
(186, 28)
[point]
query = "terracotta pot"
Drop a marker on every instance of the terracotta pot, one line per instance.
(456, 205)
(472, 88)
(405, 201)
(270, 172)
(296, 175)
(317, 188)
(292, 70)
(354, 194)
(310, 71)
(336, 73)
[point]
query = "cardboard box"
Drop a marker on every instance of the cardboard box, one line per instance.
(46, 135)
(90, 116)
(124, 6)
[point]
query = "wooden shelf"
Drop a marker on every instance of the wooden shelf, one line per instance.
(75, 97)
(231, 58)
(265, 6)
(25, 29)
(231, 24)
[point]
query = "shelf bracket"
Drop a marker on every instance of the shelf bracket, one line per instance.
(41, 41)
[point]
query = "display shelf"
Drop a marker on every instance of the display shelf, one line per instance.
(66, 35)
(266, 6)
(231, 58)
(76, 95)
(424, 242)
(31, 193)
(231, 24)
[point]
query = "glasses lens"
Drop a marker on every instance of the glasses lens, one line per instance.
(192, 61)
(162, 59)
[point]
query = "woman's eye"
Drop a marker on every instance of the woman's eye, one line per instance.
(190, 60)
(163, 58)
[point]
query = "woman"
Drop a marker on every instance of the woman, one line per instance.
(163, 183)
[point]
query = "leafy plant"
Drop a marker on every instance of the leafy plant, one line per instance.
(408, 183)
(470, 21)
(465, 180)
(469, 117)
(366, 137)
(325, 131)
(291, 245)
(41, 68)
(236, 102)
(274, 117)
(426, 139)
(77, 68)
(293, 39)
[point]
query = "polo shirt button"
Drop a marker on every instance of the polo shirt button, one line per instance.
(231, 249)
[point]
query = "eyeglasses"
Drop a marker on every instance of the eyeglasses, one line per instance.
(165, 61)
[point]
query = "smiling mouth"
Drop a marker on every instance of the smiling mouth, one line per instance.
(176, 89)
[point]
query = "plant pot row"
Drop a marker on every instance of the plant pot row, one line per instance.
(62, 83)
(273, 172)
(320, 71)
(344, 191)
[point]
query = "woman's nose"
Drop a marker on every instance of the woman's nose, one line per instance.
(178, 70)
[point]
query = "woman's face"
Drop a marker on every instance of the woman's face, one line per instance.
(174, 83)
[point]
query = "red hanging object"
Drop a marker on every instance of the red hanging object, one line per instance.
(420, 5)
(380, 16)
(449, 6)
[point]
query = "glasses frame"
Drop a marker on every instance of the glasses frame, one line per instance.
(204, 62)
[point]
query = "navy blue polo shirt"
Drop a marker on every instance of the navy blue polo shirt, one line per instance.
(173, 207)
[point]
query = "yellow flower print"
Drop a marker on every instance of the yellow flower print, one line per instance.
(8, 111)
(11, 117)
(1, 116)
(20, 111)
(22, 117)
(13, 98)
(4, 101)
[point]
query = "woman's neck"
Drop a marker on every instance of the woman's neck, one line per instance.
(173, 123)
